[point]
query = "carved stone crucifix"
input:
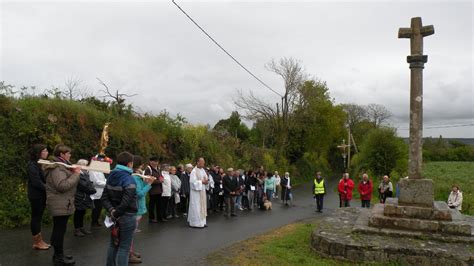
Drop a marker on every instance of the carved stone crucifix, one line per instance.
(417, 61)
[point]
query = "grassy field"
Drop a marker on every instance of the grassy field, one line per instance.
(287, 245)
(446, 174)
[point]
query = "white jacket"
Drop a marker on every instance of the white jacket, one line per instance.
(455, 199)
(166, 185)
(277, 180)
(99, 181)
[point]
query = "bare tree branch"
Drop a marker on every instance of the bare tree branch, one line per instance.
(119, 98)
(377, 114)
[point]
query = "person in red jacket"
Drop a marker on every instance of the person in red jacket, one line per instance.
(345, 187)
(365, 191)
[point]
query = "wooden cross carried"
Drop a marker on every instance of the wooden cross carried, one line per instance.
(417, 61)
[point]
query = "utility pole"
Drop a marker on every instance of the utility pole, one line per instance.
(349, 149)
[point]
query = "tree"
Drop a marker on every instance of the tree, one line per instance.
(382, 152)
(117, 97)
(317, 123)
(355, 114)
(73, 90)
(233, 126)
(277, 115)
(377, 114)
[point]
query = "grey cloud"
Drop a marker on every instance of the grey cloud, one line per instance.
(153, 50)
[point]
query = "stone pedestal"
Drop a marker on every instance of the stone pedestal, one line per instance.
(419, 219)
(416, 210)
(345, 234)
(416, 192)
(438, 211)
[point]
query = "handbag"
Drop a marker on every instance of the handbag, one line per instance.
(115, 232)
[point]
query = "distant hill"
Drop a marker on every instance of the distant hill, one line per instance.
(468, 141)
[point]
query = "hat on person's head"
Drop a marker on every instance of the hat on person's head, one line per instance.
(230, 169)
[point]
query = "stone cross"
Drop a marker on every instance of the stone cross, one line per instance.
(417, 61)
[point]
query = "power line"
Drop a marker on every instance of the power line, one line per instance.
(225, 51)
(443, 126)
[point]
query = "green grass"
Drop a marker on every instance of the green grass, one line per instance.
(287, 245)
(446, 174)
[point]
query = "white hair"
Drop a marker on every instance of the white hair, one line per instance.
(82, 162)
(189, 166)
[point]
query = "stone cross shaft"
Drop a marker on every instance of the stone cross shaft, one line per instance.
(417, 61)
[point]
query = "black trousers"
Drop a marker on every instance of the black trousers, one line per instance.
(245, 201)
(37, 210)
(79, 218)
(184, 204)
(154, 207)
(215, 201)
(57, 236)
(221, 202)
(365, 203)
(172, 206)
(319, 201)
(164, 207)
(385, 195)
(95, 215)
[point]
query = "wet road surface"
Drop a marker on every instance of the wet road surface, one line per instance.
(171, 243)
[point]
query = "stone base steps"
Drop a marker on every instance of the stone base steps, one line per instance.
(342, 235)
(378, 219)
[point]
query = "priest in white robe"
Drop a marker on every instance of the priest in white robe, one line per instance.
(197, 197)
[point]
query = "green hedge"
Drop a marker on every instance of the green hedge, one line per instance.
(31, 120)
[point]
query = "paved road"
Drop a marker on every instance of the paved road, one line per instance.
(172, 243)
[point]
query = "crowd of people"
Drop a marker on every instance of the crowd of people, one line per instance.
(385, 190)
(171, 191)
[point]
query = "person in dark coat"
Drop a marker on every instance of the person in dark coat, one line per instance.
(83, 200)
(185, 189)
(37, 194)
(231, 186)
(286, 189)
(218, 189)
(251, 187)
(154, 202)
(120, 201)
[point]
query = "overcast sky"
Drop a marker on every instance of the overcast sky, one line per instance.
(152, 49)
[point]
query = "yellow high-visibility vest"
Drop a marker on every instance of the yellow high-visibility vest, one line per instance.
(319, 187)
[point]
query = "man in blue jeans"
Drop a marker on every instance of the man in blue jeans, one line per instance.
(120, 200)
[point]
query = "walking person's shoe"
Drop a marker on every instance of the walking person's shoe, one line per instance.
(136, 254)
(153, 221)
(79, 233)
(176, 216)
(61, 260)
(96, 224)
(85, 231)
(132, 259)
(38, 243)
(44, 243)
